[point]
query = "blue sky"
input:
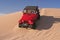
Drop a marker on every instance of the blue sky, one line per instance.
(7, 6)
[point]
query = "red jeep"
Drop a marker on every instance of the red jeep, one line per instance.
(30, 16)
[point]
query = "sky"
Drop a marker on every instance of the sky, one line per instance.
(9, 6)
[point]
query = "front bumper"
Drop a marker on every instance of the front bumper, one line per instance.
(23, 25)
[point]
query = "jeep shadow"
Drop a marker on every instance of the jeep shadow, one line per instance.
(46, 22)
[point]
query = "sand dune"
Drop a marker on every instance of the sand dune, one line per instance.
(48, 27)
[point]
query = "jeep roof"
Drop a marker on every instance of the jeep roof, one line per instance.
(31, 8)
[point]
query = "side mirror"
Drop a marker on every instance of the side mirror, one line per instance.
(24, 11)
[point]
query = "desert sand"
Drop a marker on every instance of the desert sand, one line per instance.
(48, 27)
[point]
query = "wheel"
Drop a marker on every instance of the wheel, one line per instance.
(20, 25)
(30, 27)
(34, 26)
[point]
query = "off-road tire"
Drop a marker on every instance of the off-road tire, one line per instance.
(20, 26)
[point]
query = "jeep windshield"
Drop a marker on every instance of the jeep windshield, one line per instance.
(29, 11)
